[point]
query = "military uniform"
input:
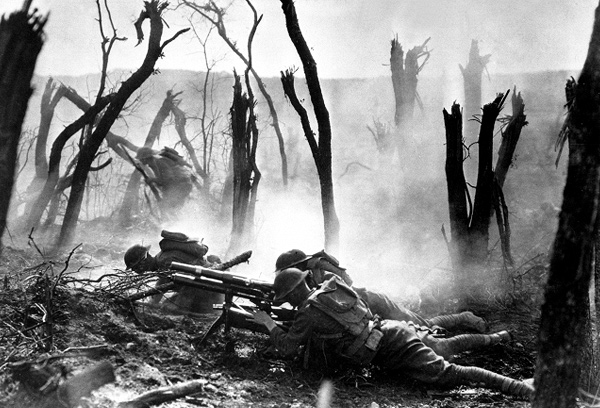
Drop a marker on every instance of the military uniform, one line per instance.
(171, 175)
(323, 267)
(347, 329)
(176, 247)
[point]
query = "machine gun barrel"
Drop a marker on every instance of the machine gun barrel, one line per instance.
(222, 282)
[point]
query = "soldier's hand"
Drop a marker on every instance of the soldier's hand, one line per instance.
(263, 318)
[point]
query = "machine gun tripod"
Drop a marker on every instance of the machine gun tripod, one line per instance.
(233, 314)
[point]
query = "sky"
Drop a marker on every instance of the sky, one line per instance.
(348, 38)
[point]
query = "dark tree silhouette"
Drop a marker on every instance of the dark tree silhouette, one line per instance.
(321, 150)
(246, 175)
(470, 220)
(405, 73)
(215, 15)
(562, 334)
(21, 40)
(153, 12)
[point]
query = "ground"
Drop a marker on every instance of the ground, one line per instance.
(149, 349)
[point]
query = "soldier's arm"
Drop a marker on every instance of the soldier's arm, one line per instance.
(322, 270)
(288, 343)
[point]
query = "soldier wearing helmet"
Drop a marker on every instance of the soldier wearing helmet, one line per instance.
(321, 266)
(170, 173)
(175, 247)
(335, 321)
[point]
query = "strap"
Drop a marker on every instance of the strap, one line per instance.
(360, 340)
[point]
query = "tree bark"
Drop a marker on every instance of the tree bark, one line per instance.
(405, 70)
(482, 204)
(472, 74)
(470, 221)
(457, 186)
(565, 308)
(21, 40)
(322, 151)
(53, 93)
(245, 176)
(49, 190)
(510, 137)
(152, 11)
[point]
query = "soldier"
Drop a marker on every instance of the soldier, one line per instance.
(336, 322)
(321, 265)
(171, 174)
(175, 247)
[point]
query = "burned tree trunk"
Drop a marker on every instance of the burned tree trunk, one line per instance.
(510, 138)
(404, 78)
(476, 253)
(215, 15)
(405, 71)
(50, 186)
(321, 151)
(244, 136)
(565, 310)
(53, 93)
(472, 74)
(21, 40)
(152, 11)
(470, 221)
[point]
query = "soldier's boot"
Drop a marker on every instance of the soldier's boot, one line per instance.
(465, 342)
(489, 379)
(466, 320)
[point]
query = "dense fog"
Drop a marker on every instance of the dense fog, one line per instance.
(391, 216)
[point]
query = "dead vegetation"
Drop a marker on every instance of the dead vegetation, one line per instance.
(58, 322)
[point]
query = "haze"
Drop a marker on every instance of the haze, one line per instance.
(349, 38)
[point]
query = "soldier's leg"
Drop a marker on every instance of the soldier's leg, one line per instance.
(477, 375)
(403, 352)
(464, 320)
(447, 347)
(386, 308)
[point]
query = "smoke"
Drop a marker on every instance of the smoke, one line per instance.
(390, 216)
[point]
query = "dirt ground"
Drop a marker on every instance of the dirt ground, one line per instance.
(149, 349)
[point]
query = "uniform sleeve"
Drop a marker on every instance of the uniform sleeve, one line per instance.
(287, 343)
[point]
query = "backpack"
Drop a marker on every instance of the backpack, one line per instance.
(177, 241)
(340, 302)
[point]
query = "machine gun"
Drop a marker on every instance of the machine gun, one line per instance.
(259, 292)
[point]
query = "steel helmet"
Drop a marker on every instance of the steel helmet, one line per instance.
(135, 255)
(286, 281)
(145, 153)
(290, 258)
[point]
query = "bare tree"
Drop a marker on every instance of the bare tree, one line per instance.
(53, 93)
(405, 71)
(563, 333)
(21, 40)
(153, 12)
(53, 184)
(470, 219)
(321, 150)
(215, 15)
(246, 175)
